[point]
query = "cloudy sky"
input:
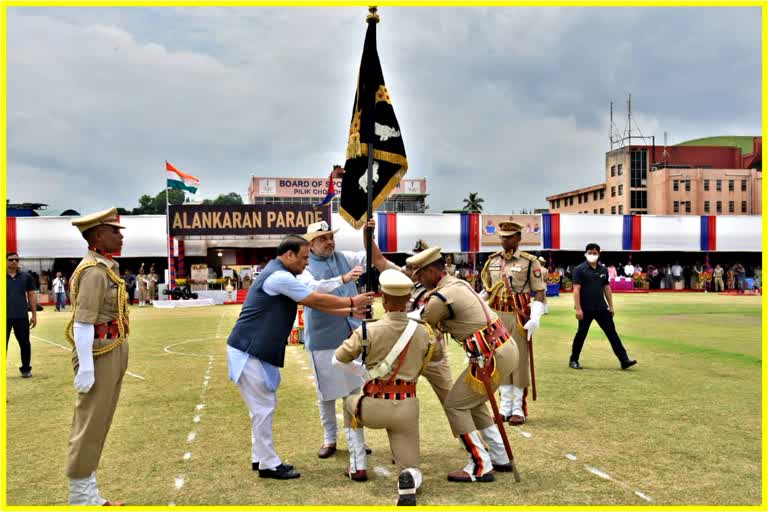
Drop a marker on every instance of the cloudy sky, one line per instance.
(508, 102)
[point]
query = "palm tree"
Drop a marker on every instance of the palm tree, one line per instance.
(473, 203)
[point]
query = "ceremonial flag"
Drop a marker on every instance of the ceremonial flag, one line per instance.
(373, 122)
(180, 180)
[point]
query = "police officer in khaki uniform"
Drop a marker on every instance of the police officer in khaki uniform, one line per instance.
(97, 332)
(508, 278)
(395, 350)
(437, 372)
(453, 307)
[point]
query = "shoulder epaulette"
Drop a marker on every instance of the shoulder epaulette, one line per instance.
(447, 304)
(529, 257)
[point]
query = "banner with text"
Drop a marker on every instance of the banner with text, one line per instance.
(244, 220)
(489, 227)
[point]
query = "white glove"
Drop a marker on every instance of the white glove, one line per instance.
(484, 295)
(355, 367)
(537, 311)
(85, 377)
(415, 315)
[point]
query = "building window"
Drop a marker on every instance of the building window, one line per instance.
(621, 169)
(638, 199)
(687, 185)
(613, 171)
(638, 168)
(621, 190)
(743, 185)
(621, 209)
(602, 193)
(613, 191)
(687, 207)
(613, 210)
(730, 186)
(676, 207)
(675, 185)
(706, 206)
(719, 207)
(706, 185)
(719, 185)
(731, 207)
(571, 200)
(579, 198)
(594, 195)
(595, 210)
(743, 207)
(602, 210)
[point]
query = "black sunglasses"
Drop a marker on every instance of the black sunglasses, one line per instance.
(13, 259)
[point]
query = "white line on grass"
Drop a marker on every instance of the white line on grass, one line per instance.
(382, 471)
(135, 375)
(605, 476)
(200, 406)
(522, 432)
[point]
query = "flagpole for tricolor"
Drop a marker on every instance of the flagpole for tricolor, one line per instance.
(168, 229)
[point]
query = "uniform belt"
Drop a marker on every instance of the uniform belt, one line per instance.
(391, 390)
(486, 340)
(505, 305)
(106, 331)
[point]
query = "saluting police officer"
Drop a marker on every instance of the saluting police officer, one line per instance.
(395, 351)
(98, 332)
(453, 307)
(509, 276)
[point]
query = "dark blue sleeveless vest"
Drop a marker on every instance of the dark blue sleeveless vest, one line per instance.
(265, 322)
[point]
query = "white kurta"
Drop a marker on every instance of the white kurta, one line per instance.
(331, 382)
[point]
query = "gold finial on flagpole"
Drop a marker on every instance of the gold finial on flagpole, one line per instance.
(374, 16)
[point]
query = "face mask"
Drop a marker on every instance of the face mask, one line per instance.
(591, 257)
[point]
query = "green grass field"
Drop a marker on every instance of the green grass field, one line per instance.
(682, 427)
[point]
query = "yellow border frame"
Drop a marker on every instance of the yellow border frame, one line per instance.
(4, 5)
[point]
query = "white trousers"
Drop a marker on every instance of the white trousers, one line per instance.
(511, 402)
(261, 404)
(328, 420)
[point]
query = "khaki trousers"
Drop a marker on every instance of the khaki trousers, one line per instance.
(399, 417)
(438, 374)
(94, 411)
(521, 374)
(465, 408)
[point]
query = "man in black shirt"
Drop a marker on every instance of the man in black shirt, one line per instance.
(20, 298)
(591, 289)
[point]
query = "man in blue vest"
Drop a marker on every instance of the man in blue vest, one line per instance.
(256, 346)
(324, 333)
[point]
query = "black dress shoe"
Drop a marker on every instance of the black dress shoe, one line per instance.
(503, 468)
(281, 472)
(627, 364)
(575, 365)
(368, 451)
(255, 466)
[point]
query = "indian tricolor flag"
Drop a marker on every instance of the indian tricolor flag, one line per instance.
(180, 180)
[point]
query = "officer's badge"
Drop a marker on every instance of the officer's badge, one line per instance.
(537, 272)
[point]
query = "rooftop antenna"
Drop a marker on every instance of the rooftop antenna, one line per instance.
(610, 127)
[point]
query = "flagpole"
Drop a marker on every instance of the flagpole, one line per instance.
(370, 287)
(168, 229)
